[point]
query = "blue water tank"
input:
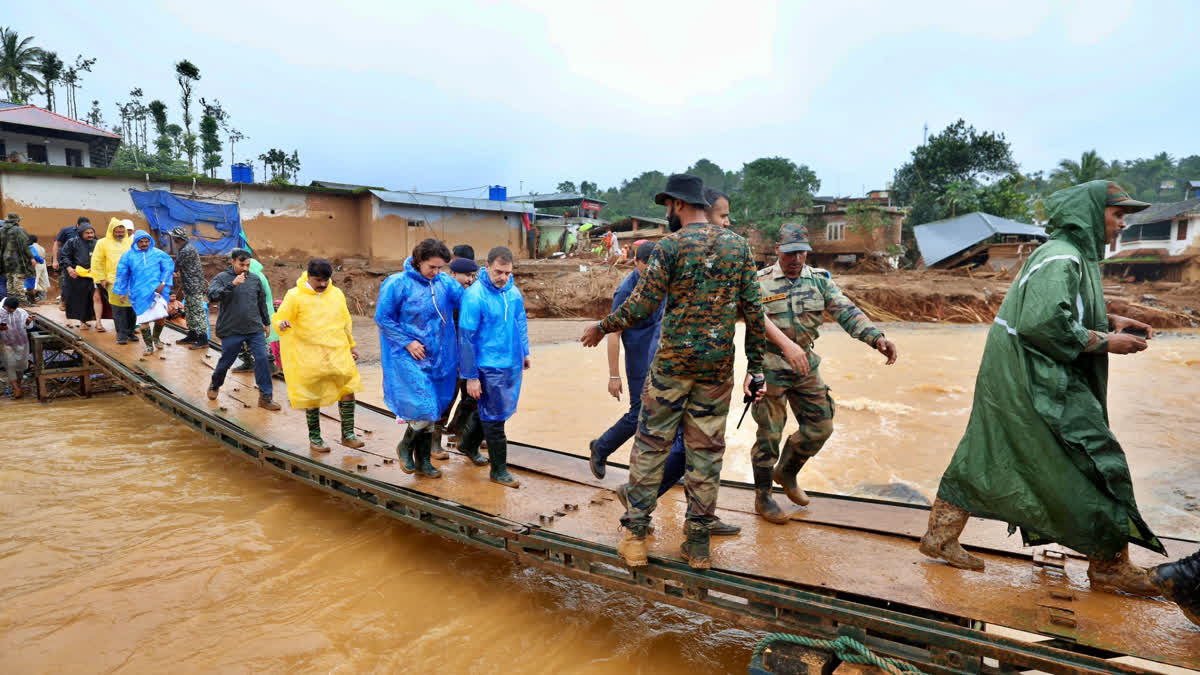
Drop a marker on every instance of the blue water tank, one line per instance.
(243, 173)
(497, 193)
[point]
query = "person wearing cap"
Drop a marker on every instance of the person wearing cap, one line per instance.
(105, 257)
(193, 285)
(795, 298)
(641, 343)
(707, 276)
(16, 260)
(1038, 452)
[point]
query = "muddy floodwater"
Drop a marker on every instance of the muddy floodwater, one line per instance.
(133, 544)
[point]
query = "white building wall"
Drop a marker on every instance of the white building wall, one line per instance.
(1170, 247)
(56, 149)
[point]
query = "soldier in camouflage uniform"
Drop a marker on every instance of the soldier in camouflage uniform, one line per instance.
(16, 260)
(706, 274)
(191, 278)
(794, 296)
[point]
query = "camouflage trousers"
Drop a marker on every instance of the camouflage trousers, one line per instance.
(16, 286)
(667, 404)
(811, 405)
(193, 312)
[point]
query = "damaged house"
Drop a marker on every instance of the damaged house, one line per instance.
(977, 239)
(1159, 243)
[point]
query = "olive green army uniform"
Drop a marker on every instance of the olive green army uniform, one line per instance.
(796, 307)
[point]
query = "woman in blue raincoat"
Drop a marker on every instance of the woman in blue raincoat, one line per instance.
(144, 273)
(415, 315)
(493, 342)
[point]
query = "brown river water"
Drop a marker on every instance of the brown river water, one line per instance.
(133, 544)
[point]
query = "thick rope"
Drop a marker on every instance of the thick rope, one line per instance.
(845, 648)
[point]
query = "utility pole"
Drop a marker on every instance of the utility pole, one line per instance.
(925, 133)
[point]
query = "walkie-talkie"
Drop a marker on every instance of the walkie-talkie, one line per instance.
(756, 383)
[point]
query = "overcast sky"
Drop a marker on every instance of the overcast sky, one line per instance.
(409, 95)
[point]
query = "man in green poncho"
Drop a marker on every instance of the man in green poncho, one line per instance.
(1038, 452)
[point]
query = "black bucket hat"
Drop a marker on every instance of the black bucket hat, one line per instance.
(684, 187)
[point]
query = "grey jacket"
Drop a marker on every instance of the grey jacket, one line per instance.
(243, 308)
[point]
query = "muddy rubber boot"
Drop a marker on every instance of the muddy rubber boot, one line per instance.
(946, 523)
(695, 546)
(422, 446)
(346, 411)
(764, 503)
(312, 417)
(498, 456)
(632, 550)
(785, 474)
(720, 528)
(1119, 574)
(404, 450)
(437, 451)
(469, 440)
(1180, 582)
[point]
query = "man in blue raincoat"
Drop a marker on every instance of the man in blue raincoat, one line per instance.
(418, 352)
(143, 274)
(493, 343)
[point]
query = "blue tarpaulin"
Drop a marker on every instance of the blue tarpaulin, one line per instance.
(215, 229)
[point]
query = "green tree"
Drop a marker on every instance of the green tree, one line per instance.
(566, 186)
(51, 68)
(210, 139)
(175, 132)
(19, 61)
(186, 74)
(1089, 167)
(162, 140)
(635, 197)
(773, 190)
(128, 158)
(960, 196)
(715, 177)
(95, 117)
(71, 78)
(588, 189)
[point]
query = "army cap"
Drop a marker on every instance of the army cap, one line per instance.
(1117, 196)
(793, 238)
(12, 218)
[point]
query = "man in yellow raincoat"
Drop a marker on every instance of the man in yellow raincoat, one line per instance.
(317, 346)
(105, 257)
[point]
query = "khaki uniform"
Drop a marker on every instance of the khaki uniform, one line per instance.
(796, 308)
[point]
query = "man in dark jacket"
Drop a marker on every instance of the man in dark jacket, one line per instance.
(191, 279)
(243, 319)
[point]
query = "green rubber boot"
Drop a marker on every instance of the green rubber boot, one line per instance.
(695, 546)
(315, 443)
(498, 455)
(472, 436)
(405, 451)
(422, 447)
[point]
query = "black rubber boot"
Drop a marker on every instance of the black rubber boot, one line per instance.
(695, 546)
(187, 340)
(472, 436)
(422, 445)
(1180, 582)
(764, 503)
(405, 451)
(498, 455)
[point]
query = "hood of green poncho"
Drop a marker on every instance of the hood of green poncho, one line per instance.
(1077, 215)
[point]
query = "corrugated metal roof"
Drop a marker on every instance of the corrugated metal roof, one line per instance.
(1165, 211)
(941, 239)
(9, 104)
(33, 116)
(445, 202)
(555, 199)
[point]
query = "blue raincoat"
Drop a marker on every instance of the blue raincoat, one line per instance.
(412, 307)
(140, 272)
(493, 342)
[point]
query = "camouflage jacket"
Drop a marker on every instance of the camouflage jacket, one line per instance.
(706, 274)
(15, 257)
(797, 309)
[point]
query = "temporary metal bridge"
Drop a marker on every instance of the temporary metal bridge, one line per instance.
(848, 567)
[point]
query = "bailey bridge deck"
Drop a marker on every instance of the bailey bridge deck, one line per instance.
(849, 566)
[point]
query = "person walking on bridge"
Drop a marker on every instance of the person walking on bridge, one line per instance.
(493, 343)
(795, 298)
(105, 257)
(706, 274)
(242, 318)
(144, 277)
(192, 283)
(77, 289)
(14, 344)
(16, 260)
(418, 351)
(1038, 452)
(317, 337)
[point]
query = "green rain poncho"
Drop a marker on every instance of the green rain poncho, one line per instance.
(1038, 452)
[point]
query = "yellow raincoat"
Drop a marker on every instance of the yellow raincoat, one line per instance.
(317, 363)
(105, 257)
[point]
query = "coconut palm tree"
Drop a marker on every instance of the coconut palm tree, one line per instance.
(18, 65)
(1089, 167)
